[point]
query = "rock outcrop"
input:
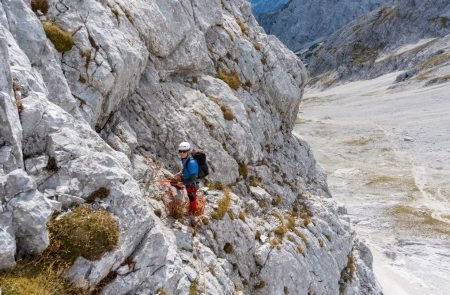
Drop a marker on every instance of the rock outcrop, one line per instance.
(300, 24)
(410, 35)
(97, 94)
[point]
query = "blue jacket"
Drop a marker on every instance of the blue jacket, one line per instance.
(190, 171)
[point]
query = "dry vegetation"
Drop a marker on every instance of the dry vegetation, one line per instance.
(362, 54)
(83, 232)
(39, 5)
(243, 170)
(232, 79)
(193, 290)
(223, 205)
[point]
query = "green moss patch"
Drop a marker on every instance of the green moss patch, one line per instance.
(62, 40)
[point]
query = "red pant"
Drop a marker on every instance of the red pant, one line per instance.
(192, 192)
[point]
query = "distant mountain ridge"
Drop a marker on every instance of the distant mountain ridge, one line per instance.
(410, 35)
(301, 23)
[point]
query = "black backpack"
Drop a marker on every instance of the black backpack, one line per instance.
(200, 157)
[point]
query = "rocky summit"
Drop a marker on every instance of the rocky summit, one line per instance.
(95, 98)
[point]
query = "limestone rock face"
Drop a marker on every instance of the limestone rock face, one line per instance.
(110, 111)
(410, 35)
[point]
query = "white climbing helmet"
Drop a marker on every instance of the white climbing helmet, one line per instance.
(184, 146)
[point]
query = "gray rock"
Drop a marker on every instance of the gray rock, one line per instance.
(31, 212)
(7, 241)
(10, 128)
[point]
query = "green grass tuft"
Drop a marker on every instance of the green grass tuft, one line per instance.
(62, 40)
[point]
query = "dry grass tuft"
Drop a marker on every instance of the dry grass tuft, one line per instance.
(436, 60)
(276, 201)
(274, 242)
(350, 269)
(157, 212)
(62, 40)
(115, 11)
(255, 181)
(215, 185)
(242, 216)
(321, 243)
(193, 290)
(205, 220)
(223, 205)
(228, 248)
(83, 232)
(227, 112)
(243, 170)
(260, 285)
(300, 250)
(306, 218)
(438, 80)
(101, 193)
(301, 235)
(232, 79)
(51, 166)
(362, 54)
(243, 26)
(176, 209)
(257, 46)
(39, 5)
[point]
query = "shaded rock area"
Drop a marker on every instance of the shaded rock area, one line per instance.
(300, 24)
(105, 111)
(409, 35)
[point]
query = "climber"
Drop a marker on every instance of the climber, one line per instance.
(189, 174)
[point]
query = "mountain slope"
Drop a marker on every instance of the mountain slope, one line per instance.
(96, 96)
(301, 23)
(411, 35)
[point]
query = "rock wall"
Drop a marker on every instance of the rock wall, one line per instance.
(108, 112)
